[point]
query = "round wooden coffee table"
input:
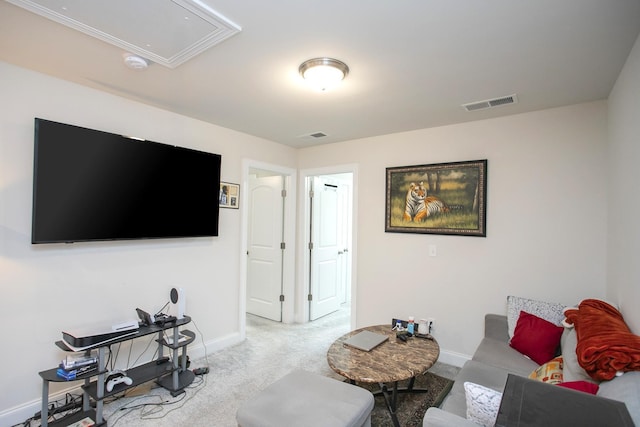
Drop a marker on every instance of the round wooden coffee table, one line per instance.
(392, 361)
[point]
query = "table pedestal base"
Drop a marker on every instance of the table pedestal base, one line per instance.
(391, 396)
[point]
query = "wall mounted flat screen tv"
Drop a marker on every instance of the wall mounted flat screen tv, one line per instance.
(93, 185)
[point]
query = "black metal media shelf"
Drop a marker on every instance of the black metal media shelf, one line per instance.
(167, 372)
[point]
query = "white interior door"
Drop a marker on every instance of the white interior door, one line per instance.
(264, 251)
(325, 245)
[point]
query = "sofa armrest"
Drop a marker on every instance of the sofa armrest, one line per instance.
(496, 327)
(436, 417)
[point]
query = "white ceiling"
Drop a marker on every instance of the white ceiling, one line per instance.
(413, 63)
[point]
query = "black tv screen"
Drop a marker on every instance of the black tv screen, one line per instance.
(93, 185)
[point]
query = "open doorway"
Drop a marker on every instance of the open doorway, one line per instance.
(327, 245)
(269, 248)
(294, 306)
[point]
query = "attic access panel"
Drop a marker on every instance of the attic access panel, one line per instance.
(168, 32)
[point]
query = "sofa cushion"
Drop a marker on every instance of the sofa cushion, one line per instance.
(436, 417)
(496, 327)
(498, 353)
(572, 371)
(625, 388)
(536, 338)
(551, 312)
(482, 404)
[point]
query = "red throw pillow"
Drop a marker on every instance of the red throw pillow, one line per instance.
(585, 386)
(536, 338)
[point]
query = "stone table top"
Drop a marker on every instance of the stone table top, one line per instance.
(393, 360)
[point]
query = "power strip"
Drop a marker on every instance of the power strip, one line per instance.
(201, 371)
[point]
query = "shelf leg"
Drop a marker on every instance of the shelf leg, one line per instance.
(176, 379)
(160, 346)
(44, 411)
(100, 385)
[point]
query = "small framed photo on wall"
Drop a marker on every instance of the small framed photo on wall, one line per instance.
(229, 196)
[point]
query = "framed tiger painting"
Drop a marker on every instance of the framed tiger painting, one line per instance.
(442, 198)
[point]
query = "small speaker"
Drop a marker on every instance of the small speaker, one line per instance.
(179, 301)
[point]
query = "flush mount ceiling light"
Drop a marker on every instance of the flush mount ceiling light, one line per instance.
(323, 73)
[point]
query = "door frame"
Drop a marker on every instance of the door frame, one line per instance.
(304, 216)
(289, 255)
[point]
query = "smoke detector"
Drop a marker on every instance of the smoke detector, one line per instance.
(135, 62)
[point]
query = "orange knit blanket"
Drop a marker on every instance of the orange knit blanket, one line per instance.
(605, 342)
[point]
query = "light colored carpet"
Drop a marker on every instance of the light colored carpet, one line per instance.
(270, 351)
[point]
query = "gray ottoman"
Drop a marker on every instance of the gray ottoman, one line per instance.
(304, 399)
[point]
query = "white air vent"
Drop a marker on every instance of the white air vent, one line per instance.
(313, 135)
(491, 103)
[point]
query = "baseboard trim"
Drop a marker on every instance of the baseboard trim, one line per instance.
(199, 351)
(453, 358)
(18, 414)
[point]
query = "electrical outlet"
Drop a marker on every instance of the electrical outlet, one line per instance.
(431, 323)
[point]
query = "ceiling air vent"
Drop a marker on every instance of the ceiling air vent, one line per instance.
(318, 135)
(312, 136)
(491, 103)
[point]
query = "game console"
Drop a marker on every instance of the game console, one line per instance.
(95, 334)
(179, 301)
(117, 377)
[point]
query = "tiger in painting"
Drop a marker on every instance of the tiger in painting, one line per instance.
(419, 206)
(433, 206)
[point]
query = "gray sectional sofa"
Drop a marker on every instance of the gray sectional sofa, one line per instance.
(494, 359)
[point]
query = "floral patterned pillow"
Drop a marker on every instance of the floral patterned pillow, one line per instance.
(551, 312)
(482, 404)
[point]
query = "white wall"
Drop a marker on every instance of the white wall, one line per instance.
(623, 268)
(546, 220)
(48, 288)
